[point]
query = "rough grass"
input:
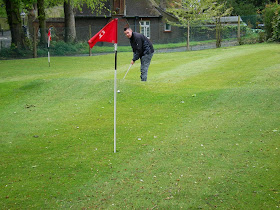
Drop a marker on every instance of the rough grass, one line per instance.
(203, 132)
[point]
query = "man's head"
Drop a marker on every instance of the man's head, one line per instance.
(128, 32)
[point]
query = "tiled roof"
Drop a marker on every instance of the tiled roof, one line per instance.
(143, 8)
(140, 8)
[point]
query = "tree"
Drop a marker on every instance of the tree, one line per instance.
(196, 12)
(272, 21)
(189, 13)
(69, 5)
(42, 21)
(14, 21)
(247, 7)
(218, 10)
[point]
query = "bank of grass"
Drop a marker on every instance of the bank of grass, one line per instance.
(203, 132)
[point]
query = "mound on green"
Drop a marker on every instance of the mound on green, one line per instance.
(202, 133)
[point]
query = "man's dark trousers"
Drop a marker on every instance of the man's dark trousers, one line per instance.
(145, 63)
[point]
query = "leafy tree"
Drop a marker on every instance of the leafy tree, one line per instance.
(196, 12)
(2, 9)
(42, 21)
(218, 10)
(189, 13)
(272, 21)
(248, 7)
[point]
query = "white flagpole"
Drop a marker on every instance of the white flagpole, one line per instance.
(49, 58)
(115, 101)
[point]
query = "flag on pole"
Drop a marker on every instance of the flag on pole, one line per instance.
(106, 34)
(49, 40)
(49, 37)
(110, 34)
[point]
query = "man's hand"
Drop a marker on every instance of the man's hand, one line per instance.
(132, 62)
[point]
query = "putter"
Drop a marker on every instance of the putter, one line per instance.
(127, 71)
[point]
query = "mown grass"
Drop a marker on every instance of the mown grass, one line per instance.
(203, 132)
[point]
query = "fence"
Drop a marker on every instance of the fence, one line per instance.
(159, 33)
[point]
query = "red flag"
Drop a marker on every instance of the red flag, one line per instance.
(49, 34)
(49, 37)
(106, 34)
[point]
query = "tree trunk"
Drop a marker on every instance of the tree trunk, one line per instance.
(31, 18)
(42, 22)
(70, 29)
(218, 32)
(14, 20)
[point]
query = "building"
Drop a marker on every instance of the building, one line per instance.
(143, 16)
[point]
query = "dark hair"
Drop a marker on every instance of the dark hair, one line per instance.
(127, 28)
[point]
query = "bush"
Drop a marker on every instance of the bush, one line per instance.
(272, 21)
(63, 48)
(14, 52)
(276, 27)
(59, 48)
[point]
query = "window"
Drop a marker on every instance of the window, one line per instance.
(145, 28)
(167, 27)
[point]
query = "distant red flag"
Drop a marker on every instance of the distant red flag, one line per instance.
(106, 34)
(49, 37)
(49, 34)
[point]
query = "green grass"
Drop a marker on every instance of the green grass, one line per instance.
(203, 132)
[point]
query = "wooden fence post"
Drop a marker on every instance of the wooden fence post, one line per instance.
(238, 31)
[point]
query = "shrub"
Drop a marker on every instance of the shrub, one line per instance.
(272, 21)
(276, 27)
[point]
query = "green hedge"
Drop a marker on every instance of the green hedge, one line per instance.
(272, 22)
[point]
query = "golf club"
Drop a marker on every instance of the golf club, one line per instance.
(127, 71)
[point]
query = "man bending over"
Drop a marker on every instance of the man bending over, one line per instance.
(142, 48)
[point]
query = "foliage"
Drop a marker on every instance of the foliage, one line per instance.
(190, 13)
(247, 7)
(202, 133)
(276, 26)
(271, 21)
(252, 37)
(2, 9)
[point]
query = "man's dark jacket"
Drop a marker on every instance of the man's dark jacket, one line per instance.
(141, 45)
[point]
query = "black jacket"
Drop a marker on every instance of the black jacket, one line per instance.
(141, 45)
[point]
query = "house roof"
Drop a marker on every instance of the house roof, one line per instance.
(143, 8)
(230, 19)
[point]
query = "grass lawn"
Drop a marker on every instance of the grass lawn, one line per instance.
(203, 132)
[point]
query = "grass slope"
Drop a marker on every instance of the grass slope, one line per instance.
(203, 132)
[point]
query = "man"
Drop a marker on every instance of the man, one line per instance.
(142, 48)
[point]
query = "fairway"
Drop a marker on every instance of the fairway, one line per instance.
(203, 132)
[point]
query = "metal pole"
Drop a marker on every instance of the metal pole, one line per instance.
(127, 71)
(115, 101)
